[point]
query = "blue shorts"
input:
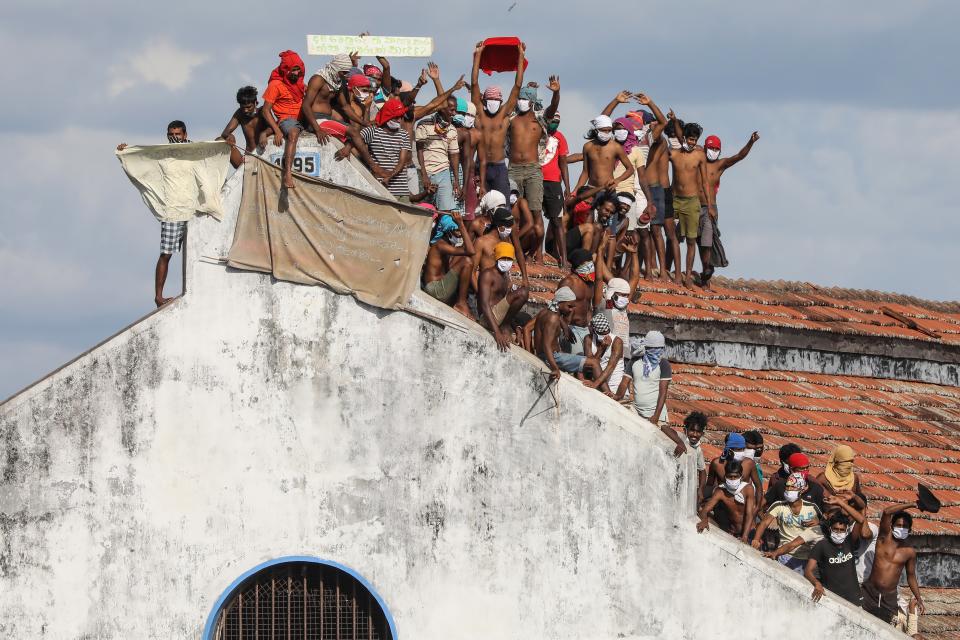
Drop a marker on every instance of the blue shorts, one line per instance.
(567, 362)
(656, 192)
(443, 199)
(496, 178)
(289, 124)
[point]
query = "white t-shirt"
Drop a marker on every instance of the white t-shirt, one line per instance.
(866, 551)
(646, 389)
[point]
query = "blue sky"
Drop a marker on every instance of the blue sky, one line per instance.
(851, 183)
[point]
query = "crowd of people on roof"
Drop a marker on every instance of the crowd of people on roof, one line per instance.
(493, 166)
(812, 521)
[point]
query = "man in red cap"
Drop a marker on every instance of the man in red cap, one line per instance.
(386, 149)
(281, 108)
(708, 219)
(493, 122)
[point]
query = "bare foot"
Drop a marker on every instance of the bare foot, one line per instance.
(677, 278)
(686, 282)
(160, 300)
(635, 298)
(288, 182)
(464, 309)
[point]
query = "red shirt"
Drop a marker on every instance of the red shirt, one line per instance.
(556, 147)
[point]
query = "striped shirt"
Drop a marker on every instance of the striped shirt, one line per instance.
(385, 148)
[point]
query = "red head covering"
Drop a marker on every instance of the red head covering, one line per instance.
(289, 60)
(798, 460)
(372, 70)
(358, 80)
(712, 142)
(391, 109)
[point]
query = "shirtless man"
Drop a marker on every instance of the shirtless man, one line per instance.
(526, 234)
(893, 553)
(464, 119)
(552, 324)
(738, 497)
(734, 447)
(689, 176)
(526, 131)
(498, 299)
(247, 117)
(501, 230)
(449, 265)
(715, 168)
(658, 179)
(483, 220)
(493, 122)
(581, 282)
(324, 95)
(601, 154)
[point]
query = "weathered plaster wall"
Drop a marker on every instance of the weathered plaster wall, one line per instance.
(254, 419)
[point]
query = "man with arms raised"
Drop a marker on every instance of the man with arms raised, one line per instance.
(689, 176)
(498, 300)
(493, 123)
(715, 168)
(893, 553)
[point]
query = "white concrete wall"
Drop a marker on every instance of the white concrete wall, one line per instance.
(254, 419)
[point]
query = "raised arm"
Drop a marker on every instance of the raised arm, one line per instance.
(386, 80)
(436, 103)
(657, 129)
(740, 155)
(886, 517)
(602, 275)
(553, 85)
(517, 83)
(865, 533)
(434, 72)
(621, 98)
(475, 78)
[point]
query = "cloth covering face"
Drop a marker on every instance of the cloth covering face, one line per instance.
(177, 181)
(839, 469)
(289, 60)
(323, 233)
(330, 72)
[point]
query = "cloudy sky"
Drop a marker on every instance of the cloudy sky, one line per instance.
(851, 183)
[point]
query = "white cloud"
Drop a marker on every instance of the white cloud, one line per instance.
(160, 61)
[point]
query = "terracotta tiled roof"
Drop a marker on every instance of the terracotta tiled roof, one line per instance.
(794, 305)
(903, 432)
(942, 618)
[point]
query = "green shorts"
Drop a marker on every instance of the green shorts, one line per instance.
(446, 287)
(687, 210)
(529, 178)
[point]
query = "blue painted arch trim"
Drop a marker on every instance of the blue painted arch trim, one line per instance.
(209, 628)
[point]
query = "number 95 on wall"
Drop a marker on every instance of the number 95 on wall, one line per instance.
(304, 162)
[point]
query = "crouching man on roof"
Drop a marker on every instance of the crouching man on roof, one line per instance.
(172, 234)
(281, 108)
(552, 324)
(498, 299)
(449, 265)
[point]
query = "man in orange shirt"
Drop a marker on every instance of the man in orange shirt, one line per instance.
(281, 108)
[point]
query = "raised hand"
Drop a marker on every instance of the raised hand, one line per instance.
(671, 115)
(354, 57)
(624, 96)
(554, 83)
(459, 84)
(755, 136)
(433, 70)
(642, 98)
(423, 76)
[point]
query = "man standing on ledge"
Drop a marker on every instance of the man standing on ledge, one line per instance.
(892, 555)
(171, 233)
(493, 123)
(689, 179)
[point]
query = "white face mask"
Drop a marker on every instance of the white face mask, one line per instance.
(686, 147)
(621, 135)
(523, 106)
(456, 241)
(504, 232)
(468, 121)
(621, 302)
(739, 455)
(492, 106)
(732, 485)
(504, 265)
(838, 538)
(713, 154)
(901, 533)
(791, 496)
(604, 136)
(675, 144)
(513, 198)
(749, 453)
(393, 124)
(786, 468)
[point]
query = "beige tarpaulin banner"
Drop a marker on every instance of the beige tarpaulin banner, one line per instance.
(322, 233)
(177, 181)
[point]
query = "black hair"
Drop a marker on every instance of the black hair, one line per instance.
(788, 450)
(603, 197)
(696, 420)
(733, 466)
(670, 130)
(692, 130)
(177, 124)
(838, 517)
(903, 515)
(246, 94)
(578, 256)
(753, 437)
(626, 194)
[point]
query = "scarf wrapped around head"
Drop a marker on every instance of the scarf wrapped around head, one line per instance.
(631, 128)
(391, 109)
(600, 324)
(340, 62)
(563, 294)
(651, 359)
(492, 92)
(839, 471)
(444, 226)
(289, 60)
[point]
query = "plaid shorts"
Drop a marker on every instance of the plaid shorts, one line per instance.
(171, 236)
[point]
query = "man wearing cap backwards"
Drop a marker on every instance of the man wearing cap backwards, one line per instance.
(715, 168)
(552, 324)
(493, 122)
(449, 266)
(651, 382)
(893, 554)
(498, 299)
(689, 176)
(528, 134)
(502, 226)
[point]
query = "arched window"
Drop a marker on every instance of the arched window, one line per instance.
(301, 600)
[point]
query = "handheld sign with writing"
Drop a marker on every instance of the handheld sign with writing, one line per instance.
(389, 46)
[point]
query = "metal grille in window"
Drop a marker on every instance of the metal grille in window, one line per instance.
(302, 601)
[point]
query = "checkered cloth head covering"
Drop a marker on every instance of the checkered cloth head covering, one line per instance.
(600, 324)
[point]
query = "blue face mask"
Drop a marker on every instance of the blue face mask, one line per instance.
(458, 120)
